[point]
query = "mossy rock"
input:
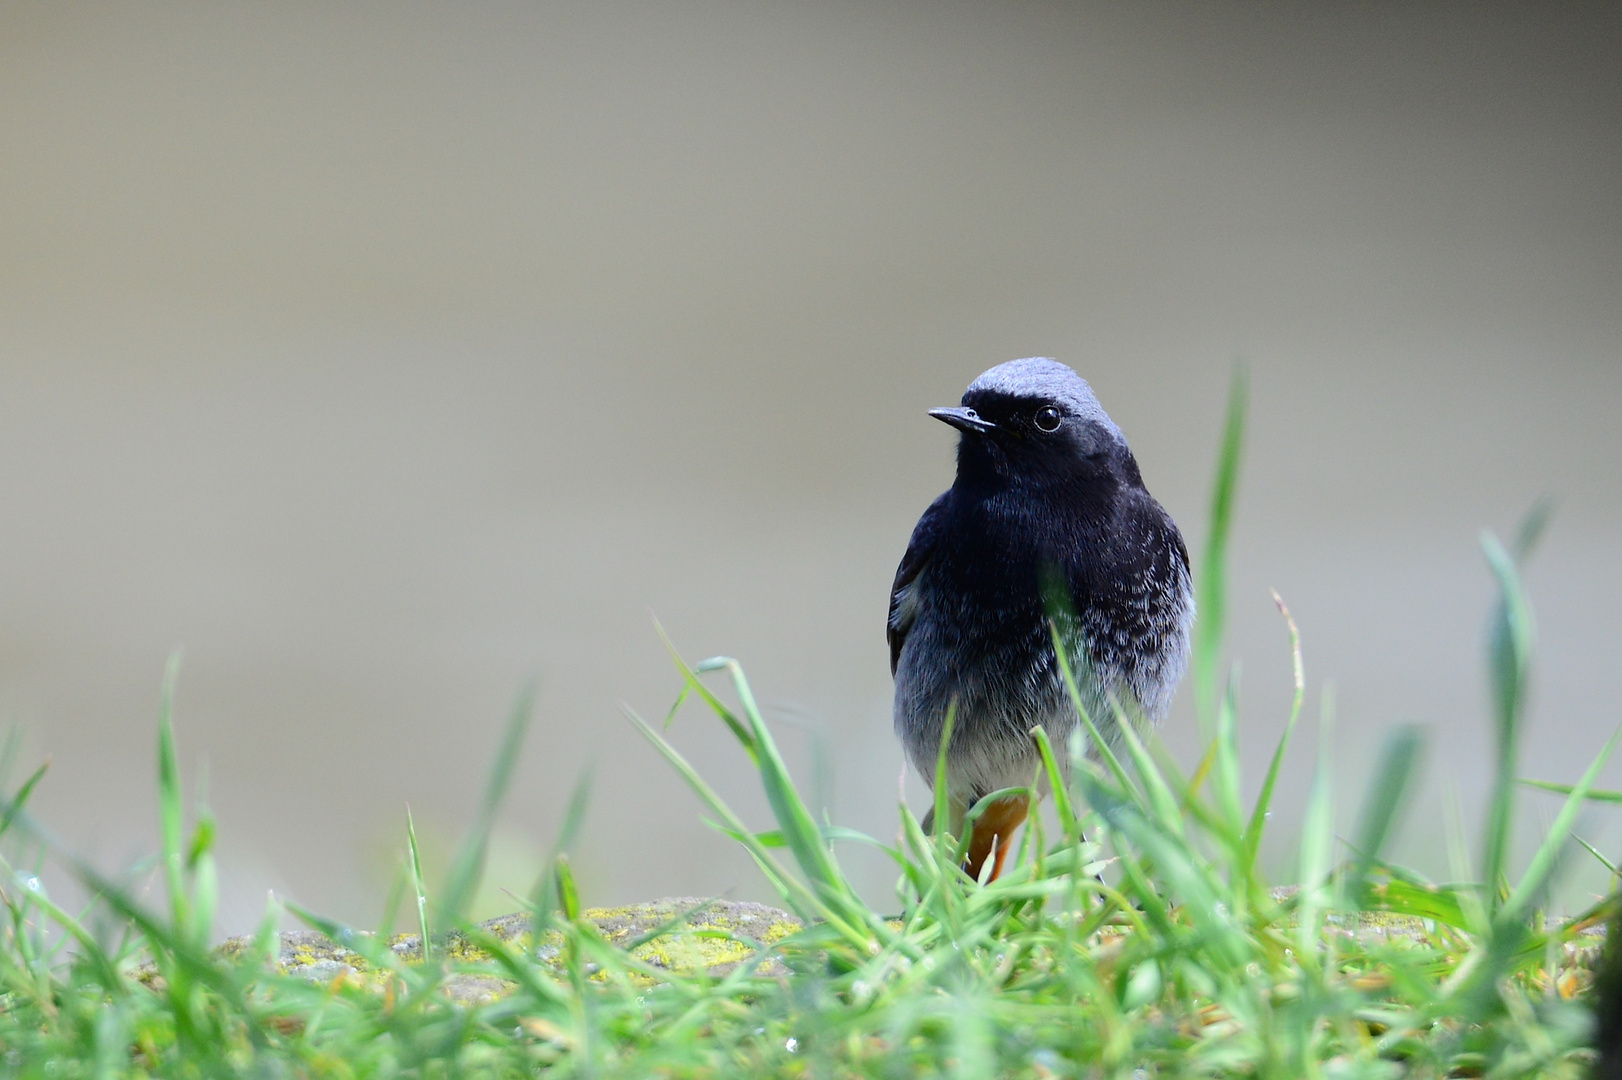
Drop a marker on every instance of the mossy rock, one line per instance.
(715, 937)
(707, 941)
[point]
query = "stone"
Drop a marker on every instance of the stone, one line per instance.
(714, 950)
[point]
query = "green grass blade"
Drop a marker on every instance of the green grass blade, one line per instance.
(267, 939)
(1180, 867)
(1212, 584)
(1061, 611)
(940, 815)
(544, 897)
(171, 800)
(694, 684)
(929, 867)
(1061, 794)
(1066, 672)
(1317, 836)
(91, 949)
(539, 986)
(392, 901)
(468, 865)
(568, 892)
(805, 903)
(1160, 800)
(830, 834)
(1227, 758)
(418, 891)
(1594, 795)
(19, 800)
(979, 809)
(205, 886)
(1509, 657)
(1543, 861)
(1388, 790)
(375, 952)
(1532, 526)
(799, 825)
(669, 926)
(1459, 866)
(1264, 801)
(1447, 905)
(1603, 861)
(10, 750)
(186, 960)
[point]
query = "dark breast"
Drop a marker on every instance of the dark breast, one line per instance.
(981, 633)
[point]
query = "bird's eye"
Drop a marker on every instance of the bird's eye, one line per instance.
(1048, 419)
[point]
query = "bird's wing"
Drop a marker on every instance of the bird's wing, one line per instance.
(1176, 565)
(1181, 548)
(903, 603)
(1140, 555)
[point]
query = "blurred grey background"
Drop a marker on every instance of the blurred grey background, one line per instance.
(384, 355)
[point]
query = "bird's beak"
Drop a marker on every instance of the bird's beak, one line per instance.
(964, 419)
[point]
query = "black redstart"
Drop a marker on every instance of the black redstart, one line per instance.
(1047, 499)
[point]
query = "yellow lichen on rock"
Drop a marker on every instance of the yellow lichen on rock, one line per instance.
(713, 937)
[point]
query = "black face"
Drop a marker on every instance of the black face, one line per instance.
(1030, 438)
(1019, 418)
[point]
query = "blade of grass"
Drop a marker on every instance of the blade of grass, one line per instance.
(1388, 789)
(981, 805)
(391, 903)
(1160, 799)
(1068, 673)
(1603, 861)
(1423, 901)
(185, 959)
(110, 978)
(805, 903)
(811, 851)
(10, 750)
(1065, 810)
(669, 926)
(1179, 866)
(1264, 801)
(941, 814)
(375, 952)
(171, 801)
(1227, 758)
(1543, 861)
(775, 838)
(1509, 657)
(925, 868)
(568, 892)
(539, 986)
(544, 896)
(267, 939)
(204, 878)
(1212, 584)
(1594, 795)
(19, 800)
(1070, 650)
(468, 865)
(1317, 836)
(739, 729)
(418, 891)
(1531, 528)
(185, 963)
(1459, 866)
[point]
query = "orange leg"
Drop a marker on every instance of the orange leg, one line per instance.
(995, 832)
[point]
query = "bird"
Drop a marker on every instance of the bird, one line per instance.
(1047, 518)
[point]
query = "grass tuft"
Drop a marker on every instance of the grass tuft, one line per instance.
(1140, 939)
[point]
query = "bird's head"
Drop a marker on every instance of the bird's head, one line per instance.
(1036, 420)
